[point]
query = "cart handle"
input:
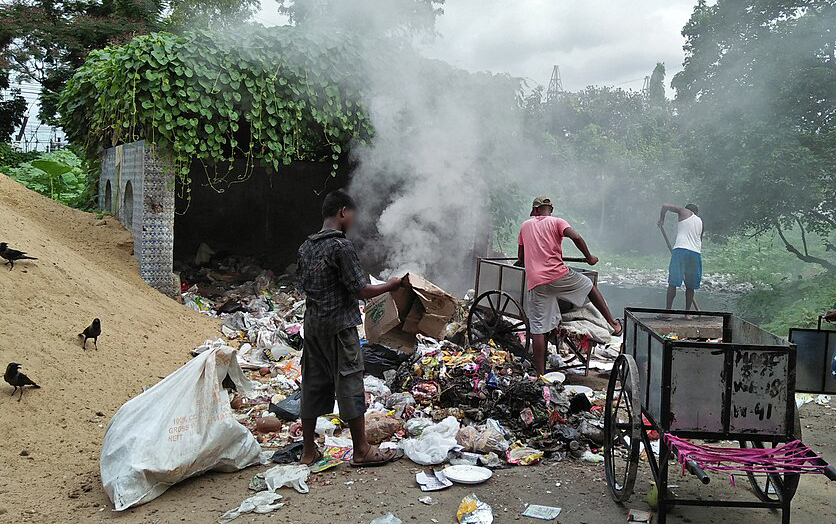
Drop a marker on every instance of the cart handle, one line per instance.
(694, 469)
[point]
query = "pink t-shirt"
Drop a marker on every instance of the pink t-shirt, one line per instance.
(541, 238)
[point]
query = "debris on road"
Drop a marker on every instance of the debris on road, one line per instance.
(541, 512)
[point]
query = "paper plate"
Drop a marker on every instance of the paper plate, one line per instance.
(555, 377)
(574, 390)
(467, 474)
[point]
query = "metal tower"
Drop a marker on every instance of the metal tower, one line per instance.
(555, 85)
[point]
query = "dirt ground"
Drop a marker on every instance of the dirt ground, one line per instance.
(84, 270)
(51, 440)
(349, 495)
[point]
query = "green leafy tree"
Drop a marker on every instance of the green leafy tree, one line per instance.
(615, 155)
(12, 108)
(44, 41)
(656, 92)
(757, 100)
(210, 14)
(377, 17)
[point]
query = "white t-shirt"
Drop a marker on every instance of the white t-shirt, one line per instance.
(689, 234)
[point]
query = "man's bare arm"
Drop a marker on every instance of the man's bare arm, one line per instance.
(681, 213)
(520, 257)
(374, 290)
(581, 244)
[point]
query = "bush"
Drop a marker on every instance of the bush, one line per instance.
(58, 175)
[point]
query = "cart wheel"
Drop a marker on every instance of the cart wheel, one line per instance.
(764, 484)
(622, 428)
(495, 315)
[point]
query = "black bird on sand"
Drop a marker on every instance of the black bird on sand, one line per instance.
(11, 255)
(17, 379)
(92, 331)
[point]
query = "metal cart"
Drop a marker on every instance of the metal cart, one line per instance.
(498, 311)
(816, 366)
(705, 376)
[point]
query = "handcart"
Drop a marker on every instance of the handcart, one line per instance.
(816, 367)
(686, 377)
(498, 311)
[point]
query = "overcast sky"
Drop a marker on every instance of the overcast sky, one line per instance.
(602, 42)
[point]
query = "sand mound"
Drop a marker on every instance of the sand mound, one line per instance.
(50, 442)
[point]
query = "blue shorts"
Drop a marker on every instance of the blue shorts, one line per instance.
(686, 265)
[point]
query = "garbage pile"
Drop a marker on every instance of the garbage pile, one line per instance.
(439, 402)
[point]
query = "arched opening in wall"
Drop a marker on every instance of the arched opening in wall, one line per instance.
(128, 205)
(108, 199)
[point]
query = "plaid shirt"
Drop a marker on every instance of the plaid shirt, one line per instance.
(330, 276)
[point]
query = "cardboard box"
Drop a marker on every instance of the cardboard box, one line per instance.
(393, 319)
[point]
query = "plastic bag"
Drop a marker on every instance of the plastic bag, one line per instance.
(387, 519)
(260, 504)
(181, 427)
(289, 408)
(375, 386)
(416, 426)
(399, 399)
(380, 427)
(481, 441)
(324, 427)
(522, 455)
(432, 446)
(294, 476)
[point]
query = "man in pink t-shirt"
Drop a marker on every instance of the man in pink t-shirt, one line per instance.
(549, 279)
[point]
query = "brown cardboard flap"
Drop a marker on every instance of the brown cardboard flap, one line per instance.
(398, 340)
(381, 316)
(393, 319)
(433, 325)
(435, 300)
(413, 318)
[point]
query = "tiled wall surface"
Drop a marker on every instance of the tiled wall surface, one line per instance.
(142, 197)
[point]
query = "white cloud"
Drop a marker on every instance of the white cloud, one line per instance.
(603, 42)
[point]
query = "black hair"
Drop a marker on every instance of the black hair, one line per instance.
(693, 209)
(336, 200)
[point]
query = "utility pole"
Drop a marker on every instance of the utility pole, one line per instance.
(646, 86)
(555, 85)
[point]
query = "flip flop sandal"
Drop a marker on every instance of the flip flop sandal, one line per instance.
(382, 458)
(319, 456)
(621, 330)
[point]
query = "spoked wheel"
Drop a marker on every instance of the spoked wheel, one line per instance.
(622, 427)
(495, 315)
(763, 484)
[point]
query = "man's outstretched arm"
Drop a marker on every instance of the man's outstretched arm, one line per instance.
(581, 244)
(374, 290)
(681, 213)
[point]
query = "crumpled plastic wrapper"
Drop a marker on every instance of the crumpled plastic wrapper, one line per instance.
(474, 511)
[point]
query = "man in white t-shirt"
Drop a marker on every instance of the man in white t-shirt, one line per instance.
(686, 256)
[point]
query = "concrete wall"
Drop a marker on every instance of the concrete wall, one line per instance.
(268, 215)
(137, 187)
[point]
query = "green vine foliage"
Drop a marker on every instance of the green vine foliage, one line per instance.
(269, 95)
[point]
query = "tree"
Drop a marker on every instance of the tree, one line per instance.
(377, 17)
(46, 40)
(615, 155)
(210, 14)
(656, 93)
(12, 109)
(757, 99)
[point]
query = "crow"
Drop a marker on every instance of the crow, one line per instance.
(17, 379)
(92, 331)
(12, 254)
